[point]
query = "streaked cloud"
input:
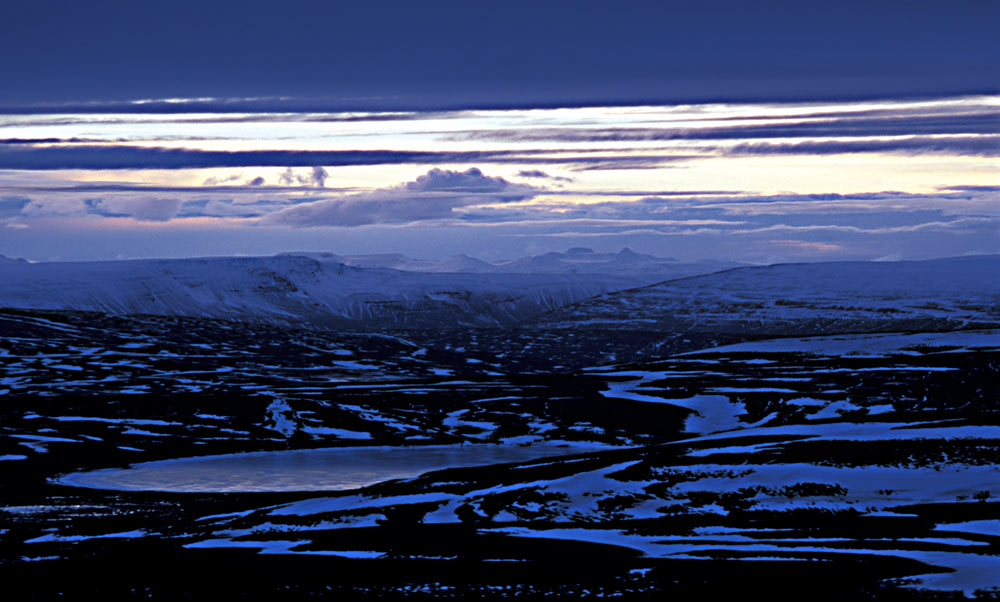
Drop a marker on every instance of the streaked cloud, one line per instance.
(981, 146)
(537, 173)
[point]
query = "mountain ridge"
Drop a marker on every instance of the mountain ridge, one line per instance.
(800, 298)
(294, 290)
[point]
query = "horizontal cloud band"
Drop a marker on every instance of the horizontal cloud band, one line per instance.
(91, 157)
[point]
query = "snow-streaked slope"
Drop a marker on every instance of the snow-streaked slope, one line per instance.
(294, 290)
(803, 298)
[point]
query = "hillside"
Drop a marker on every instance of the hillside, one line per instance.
(293, 290)
(801, 299)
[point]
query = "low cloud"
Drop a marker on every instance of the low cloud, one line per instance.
(11, 206)
(236, 207)
(434, 195)
(471, 180)
(143, 209)
(314, 177)
(55, 207)
(537, 173)
(802, 245)
(230, 179)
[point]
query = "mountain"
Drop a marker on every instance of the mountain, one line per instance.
(582, 260)
(464, 263)
(314, 291)
(578, 260)
(789, 299)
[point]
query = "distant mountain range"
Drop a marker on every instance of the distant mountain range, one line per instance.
(576, 290)
(578, 260)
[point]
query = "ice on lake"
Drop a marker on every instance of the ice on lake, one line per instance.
(326, 469)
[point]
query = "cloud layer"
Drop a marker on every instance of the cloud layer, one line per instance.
(771, 180)
(434, 195)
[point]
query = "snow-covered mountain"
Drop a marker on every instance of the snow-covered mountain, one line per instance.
(295, 290)
(788, 299)
(321, 291)
(578, 260)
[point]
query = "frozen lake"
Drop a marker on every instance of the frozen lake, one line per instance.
(327, 469)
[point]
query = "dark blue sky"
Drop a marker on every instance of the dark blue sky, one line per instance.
(453, 53)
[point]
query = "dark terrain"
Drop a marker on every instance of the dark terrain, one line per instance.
(726, 472)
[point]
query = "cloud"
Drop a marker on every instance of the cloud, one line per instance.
(227, 208)
(237, 207)
(319, 176)
(961, 224)
(470, 181)
(627, 162)
(434, 195)
(537, 173)
(31, 140)
(982, 146)
(972, 188)
(237, 179)
(257, 187)
(973, 199)
(143, 209)
(213, 181)
(802, 245)
(11, 206)
(55, 207)
(965, 107)
(100, 157)
(232, 109)
(316, 177)
(138, 157)
(979, 122)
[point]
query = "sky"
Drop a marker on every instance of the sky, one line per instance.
(757, 132)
